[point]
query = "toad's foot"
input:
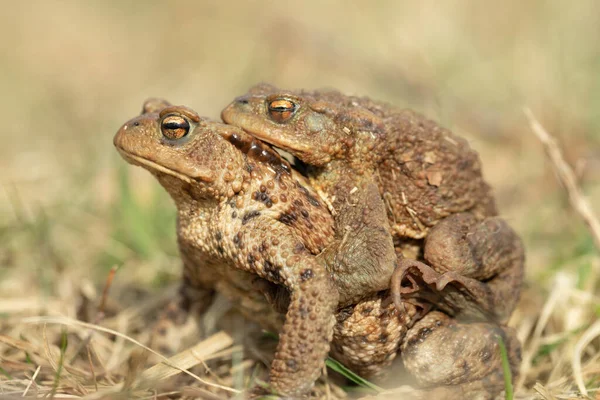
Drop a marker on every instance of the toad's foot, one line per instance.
(174, 325)
(416, 283)
(459, 360)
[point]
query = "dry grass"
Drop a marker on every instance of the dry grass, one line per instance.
(71, 210)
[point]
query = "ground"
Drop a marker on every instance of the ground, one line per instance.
(71, 209)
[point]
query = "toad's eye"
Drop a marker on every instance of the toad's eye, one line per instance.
(175, 127)
(281, 110)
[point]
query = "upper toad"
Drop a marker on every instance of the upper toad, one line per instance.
(427, 181)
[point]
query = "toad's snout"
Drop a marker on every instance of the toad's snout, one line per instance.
(128, 136)
(240, 106)
(242, 101)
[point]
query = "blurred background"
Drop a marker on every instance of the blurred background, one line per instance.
(72, 72)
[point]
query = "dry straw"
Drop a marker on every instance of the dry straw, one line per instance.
(583, 208)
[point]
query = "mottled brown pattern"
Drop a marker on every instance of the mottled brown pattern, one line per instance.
(423, 171)
(258, 233)
(260, 255)
(461, 358)
(228, 236)
(391, 173)
(367, 335)
(384, 172)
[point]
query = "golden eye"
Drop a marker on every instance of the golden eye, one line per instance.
(281, 110)
(174, 127)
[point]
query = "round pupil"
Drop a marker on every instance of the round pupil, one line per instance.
(175, 127)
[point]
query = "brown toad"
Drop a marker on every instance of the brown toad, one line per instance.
(231, 194)
(243, 213)
(424, 179)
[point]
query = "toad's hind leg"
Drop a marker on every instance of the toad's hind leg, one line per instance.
(174, 324)
(474, 269)
(462, 360)
(488, 251)
(367, 335)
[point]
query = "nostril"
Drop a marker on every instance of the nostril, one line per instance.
(242, 100)
(136, 123)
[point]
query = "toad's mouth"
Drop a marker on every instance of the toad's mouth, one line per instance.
(152, 166)
(236, 114)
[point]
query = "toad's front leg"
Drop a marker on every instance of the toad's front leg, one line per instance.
(362, 256)
(272, 251)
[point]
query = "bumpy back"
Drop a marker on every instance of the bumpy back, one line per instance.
(428, 174)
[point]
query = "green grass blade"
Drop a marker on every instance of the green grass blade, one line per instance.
(5, 373)
(508, 387)
(61, 360)
(341, 369)
(338, 367)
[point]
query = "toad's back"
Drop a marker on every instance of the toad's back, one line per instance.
(423, 172)
(437, 172)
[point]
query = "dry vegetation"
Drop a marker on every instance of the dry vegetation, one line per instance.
(71, 209)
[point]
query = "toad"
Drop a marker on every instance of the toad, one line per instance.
(425, 181)
(244, 215)
(232, 194)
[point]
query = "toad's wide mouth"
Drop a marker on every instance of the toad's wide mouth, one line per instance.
(151, 165)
